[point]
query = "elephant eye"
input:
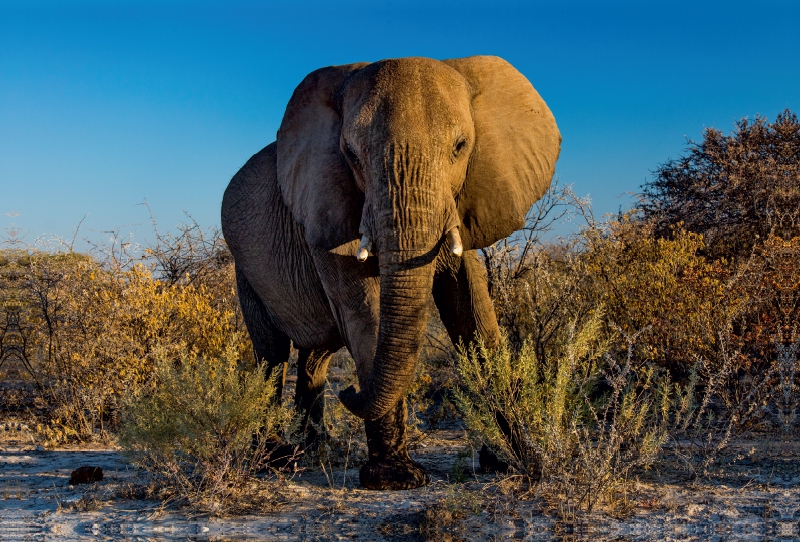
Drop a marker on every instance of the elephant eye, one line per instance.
(460, 143)
(351, 155)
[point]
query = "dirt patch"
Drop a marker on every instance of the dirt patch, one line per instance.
(751, 493)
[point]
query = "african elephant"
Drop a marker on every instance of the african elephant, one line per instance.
(384, 180)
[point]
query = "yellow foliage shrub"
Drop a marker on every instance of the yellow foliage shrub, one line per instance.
(662, 287)
(96, 330)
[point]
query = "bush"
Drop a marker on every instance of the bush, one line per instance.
(741, 193)
(93, 323)
(579, 422)
(661, 286)
(109, 327)
(726, 187)
(203, 425)
(664, 287)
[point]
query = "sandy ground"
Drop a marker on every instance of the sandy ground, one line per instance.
(753, 496)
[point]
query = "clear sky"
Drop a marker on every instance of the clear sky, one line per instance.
(106, 104)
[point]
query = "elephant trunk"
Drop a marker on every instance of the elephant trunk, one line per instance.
(407, 224)
(404, 315)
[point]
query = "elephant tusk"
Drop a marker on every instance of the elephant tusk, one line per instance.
(454, 240)
(364, 248)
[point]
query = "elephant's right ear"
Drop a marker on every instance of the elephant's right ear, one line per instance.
(315, 181)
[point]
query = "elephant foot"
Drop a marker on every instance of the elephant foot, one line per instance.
(393, 473)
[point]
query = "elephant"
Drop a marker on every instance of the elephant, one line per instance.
(384, 180)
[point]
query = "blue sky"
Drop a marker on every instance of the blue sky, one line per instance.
(104, 104)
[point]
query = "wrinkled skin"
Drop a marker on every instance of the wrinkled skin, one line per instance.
(401, 151)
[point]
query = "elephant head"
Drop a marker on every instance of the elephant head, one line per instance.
(406, 155)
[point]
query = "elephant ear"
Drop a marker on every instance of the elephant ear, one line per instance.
(516, 147)
(315, 181)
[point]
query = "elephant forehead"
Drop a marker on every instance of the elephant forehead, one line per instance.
(408, 95)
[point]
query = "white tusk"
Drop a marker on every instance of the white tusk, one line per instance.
(364, 248)
(454, 240)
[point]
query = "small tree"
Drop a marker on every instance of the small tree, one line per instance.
(728, 188)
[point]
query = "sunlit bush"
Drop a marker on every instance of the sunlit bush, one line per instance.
(93, 322)
(660, 287)
(110, 325)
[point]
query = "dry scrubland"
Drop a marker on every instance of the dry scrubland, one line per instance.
(647, 360)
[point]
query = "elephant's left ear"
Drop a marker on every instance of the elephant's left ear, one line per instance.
(516, 147)
(316, 183)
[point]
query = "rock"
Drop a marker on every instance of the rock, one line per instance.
(86, 475)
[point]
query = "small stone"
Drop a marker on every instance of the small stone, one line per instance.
(86, 475)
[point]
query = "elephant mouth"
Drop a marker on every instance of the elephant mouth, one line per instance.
(453, 239)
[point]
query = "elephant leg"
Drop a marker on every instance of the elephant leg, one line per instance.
(270, 345)
(389, 466)
(309, 400)
(353, 289)
(461, 293)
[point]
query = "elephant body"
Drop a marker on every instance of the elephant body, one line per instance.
(395, 157)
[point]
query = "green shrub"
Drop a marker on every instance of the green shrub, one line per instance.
(204, 425)
(579, 423)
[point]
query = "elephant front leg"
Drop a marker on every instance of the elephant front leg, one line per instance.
(309, 400)
(461, 293)
(389, 466)
(354, 290)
